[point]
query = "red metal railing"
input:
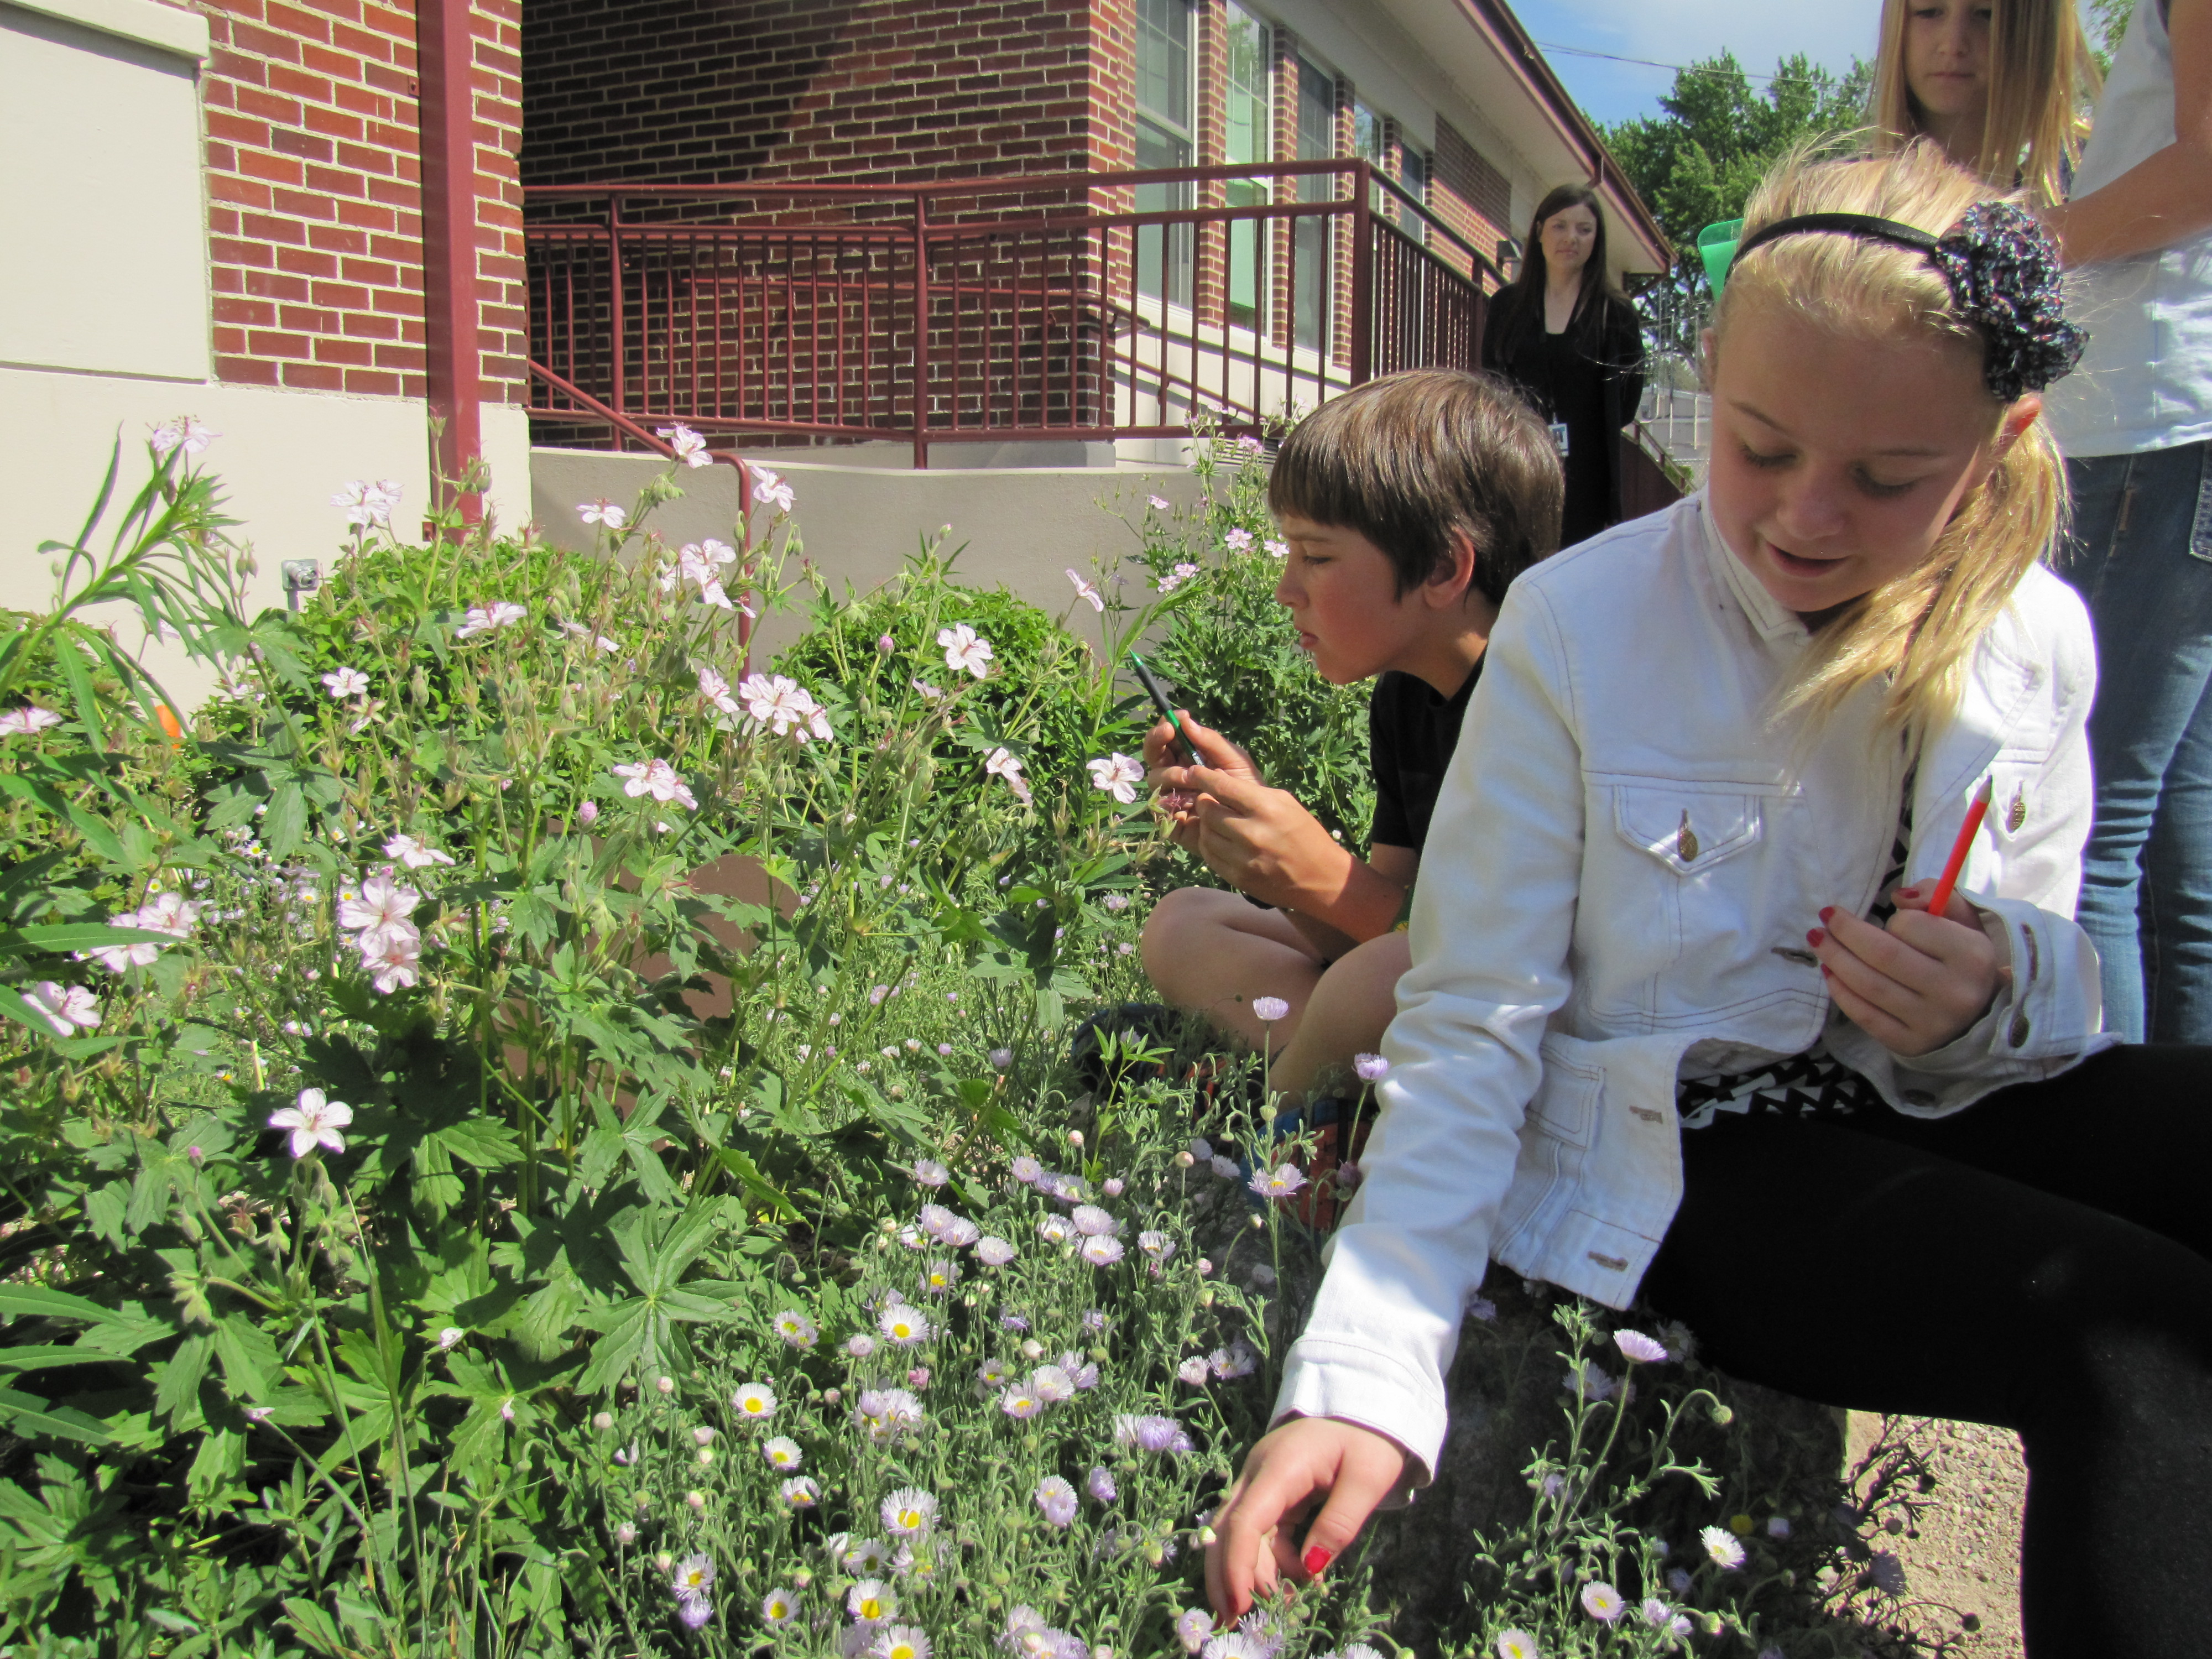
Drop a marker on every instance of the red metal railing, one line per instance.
(1046, 305)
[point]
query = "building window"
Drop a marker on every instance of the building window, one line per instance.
(1167, 95)
(1413, 180)
(1247, 140)
(1311, 242)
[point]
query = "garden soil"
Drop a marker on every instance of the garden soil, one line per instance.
(1962, 1551)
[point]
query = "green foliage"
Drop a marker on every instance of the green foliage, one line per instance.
(1698, 162)
(518, 1034)
(2105, 22)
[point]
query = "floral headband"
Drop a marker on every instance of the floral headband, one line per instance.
(2000, 263)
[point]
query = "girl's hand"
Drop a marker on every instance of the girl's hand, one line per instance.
(1253, 1548)
(1918, 983)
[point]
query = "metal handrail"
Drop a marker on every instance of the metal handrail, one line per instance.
(664, 311)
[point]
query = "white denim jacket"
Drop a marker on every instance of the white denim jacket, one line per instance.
(1625, 858)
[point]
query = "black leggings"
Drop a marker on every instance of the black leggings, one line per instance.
(2041, 1261)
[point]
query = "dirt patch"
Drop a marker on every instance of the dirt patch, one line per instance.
(1960, 1547)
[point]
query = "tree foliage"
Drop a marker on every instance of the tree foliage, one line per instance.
(1717, 134)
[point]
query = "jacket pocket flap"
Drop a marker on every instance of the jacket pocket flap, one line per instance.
(1688, 831)
(1566, 1104)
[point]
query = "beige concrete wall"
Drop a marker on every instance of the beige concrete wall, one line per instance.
(1023, 527)
(104, 261)
(280, 456)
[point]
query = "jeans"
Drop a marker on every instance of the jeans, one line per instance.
(2141, 554)
(2039, 1261)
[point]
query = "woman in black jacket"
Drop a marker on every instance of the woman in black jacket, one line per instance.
(1574, 346)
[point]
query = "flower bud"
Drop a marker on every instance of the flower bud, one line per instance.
(886, 644)
(1075, 1137)
(1185, 1159)
(603, 1420)
(1207, 1537)
(695, 1498)
(664, 1560)
(667, 1385)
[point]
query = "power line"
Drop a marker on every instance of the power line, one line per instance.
(1679, 69)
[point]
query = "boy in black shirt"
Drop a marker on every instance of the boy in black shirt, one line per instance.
(1409, 504)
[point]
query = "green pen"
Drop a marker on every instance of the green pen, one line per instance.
(1160, 701)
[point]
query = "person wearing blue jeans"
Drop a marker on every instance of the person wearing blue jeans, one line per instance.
(2135, 421)
(2141, 554)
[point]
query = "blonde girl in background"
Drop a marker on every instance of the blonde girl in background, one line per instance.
(1680, 1023)
(2004, 86)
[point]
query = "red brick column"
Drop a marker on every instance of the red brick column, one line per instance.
(1341, 250)
(1281, 241)
(1212, 297)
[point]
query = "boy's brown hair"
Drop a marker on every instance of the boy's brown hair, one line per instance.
(1406, 460)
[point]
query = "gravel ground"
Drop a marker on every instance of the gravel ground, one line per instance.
(1961, 1550)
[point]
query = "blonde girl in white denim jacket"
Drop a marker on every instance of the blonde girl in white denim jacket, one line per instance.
(1679, 1021)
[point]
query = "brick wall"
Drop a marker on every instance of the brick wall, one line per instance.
(1469, 194)
(737, 91)
(314, 219)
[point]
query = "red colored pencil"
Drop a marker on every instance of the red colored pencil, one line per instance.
(1960, 848)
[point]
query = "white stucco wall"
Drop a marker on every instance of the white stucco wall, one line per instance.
(1022, 527)
(103, 265)
(280, 456)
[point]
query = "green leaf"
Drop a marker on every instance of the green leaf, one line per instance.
(763, 1190)
(479, 1141)
(55, 938)
(248, 1355)
(36, 1301)
(177, 1396)
(315, 1627)
(27, 1415)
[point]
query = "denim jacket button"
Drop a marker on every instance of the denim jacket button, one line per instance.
(2018, 1033)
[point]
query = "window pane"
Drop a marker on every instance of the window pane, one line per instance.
(1249, 118)
(1248, 136)
(1163, 55)
(1311, 264)
(1165, 252)
(1413, 168)
(1366, 134)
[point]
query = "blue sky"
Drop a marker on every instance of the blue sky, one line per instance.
(1758, 32)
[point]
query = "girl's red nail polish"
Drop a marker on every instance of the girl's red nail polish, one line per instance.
(1813, 936)
(1827, 913)
(1313, 1560)
(1826, 972)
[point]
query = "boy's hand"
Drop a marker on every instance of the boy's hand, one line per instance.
(1917, 984)
(1164, 751)
(1259, 840)
(1255, 1542)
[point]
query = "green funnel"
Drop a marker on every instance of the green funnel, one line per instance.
(1717, 247)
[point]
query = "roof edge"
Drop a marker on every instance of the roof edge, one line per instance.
(1519, 52)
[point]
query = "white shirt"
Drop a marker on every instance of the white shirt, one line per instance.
(2145, 381)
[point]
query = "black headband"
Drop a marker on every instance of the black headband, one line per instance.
(2002, 269)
